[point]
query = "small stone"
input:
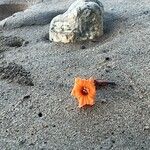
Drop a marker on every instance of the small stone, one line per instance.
(22, 141)
(104, 51)
(46, 37)
(40, 114)
(1, 56)
(113, 141)
(31, 144)
(131, 87)
(25, 43)
(132, 25)
(46, 126)
(103, 101)
(53, 125)
(107, 70)
(145, 12)
(26, 97)
(112, 133)
(107, 58)
(112, 9)
(60, 100)
(82, 21)
(94, 41)
(146, 127)
(123, 131)
(83, 47)
(69, 74)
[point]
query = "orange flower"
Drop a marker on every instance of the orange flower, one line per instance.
(85, 91)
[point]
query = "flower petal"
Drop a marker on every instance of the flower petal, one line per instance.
(89, 86)
(78, 80)
(81, 102)
(91, 101)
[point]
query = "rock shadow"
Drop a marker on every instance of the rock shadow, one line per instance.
(112, 24)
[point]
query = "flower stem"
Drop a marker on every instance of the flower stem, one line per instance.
(103, 82)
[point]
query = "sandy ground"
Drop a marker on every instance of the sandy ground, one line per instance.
(36, 109)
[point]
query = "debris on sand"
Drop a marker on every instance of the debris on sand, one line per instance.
(15, 73)
(11, 41)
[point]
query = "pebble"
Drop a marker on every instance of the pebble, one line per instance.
(145, 12)
(40, 114)
(26, 97)
(146, 127)
(83, 47)
(103, 101)
(107, 58)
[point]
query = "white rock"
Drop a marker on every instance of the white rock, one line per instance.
(82, 21)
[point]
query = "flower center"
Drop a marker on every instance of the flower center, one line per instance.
(84, 91)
